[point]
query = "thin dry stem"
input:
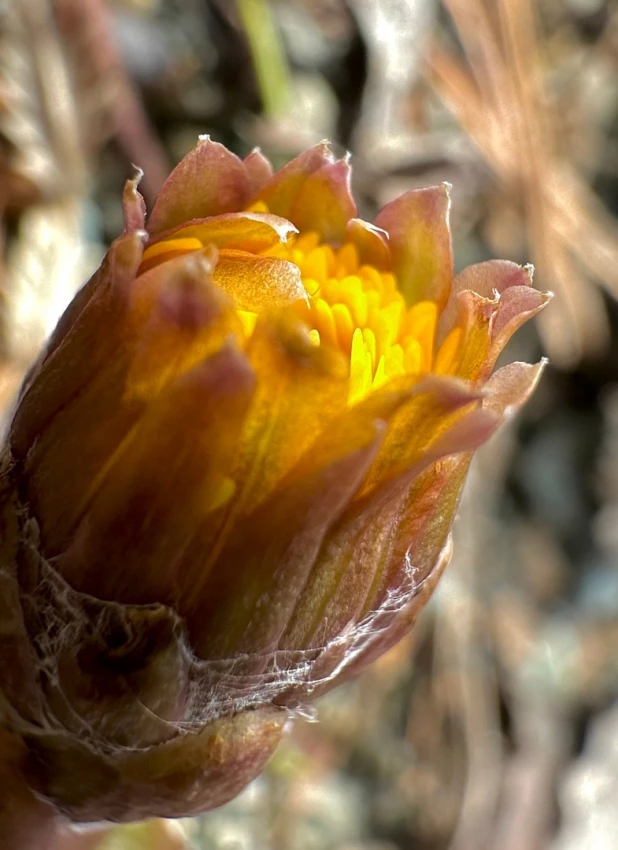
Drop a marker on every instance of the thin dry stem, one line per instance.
(500, 100)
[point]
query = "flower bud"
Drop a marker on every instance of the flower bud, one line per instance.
(230, 478)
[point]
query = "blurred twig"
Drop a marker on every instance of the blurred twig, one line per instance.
(63, 93)
(100, 76)
(269, 59)
(498, 94)
(38, 112)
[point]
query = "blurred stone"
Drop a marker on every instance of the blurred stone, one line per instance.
(589, 792)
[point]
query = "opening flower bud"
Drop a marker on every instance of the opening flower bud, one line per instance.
(230, 479)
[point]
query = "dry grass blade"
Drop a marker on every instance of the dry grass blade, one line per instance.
(46, 264)
(499, 99)
(64, 92)
(109, 103)
(46, 147)
(38, 116)
(580, 305)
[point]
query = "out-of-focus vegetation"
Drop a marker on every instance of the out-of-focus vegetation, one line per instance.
(495, 725)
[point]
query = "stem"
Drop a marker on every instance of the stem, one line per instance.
(269, 59)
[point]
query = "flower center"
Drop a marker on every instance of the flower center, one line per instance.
(351, 306)
(359, 309)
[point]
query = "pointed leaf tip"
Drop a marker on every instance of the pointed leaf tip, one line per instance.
(259, 169)
(281, 191)
(324, 203)
(420, 243)
(210, 180)
(133, 204)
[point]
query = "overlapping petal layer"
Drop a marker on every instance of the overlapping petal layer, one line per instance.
(239, 459)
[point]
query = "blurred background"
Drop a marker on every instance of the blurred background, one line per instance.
(494, 726)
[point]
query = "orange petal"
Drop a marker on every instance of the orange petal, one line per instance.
(190, 320)
(281, 191)
(379, 565)
(420, 242)
(492, 276)
(300, 389)
(488, 324)
(171, 322)
(510, 387)
(348, 574)
(371, 243)
(420, 551)
(306, 626)
(246, 604)
(162, 252)
(486, 279)
(259, 169)
(517, 305)
(423, 521)
(435, 403)
(258, 282)
(245, 231)
(160, 484)
(79, 347)
(472, 359)
(133, 204)
(352, 577)
(210, 180)
(115, 274)
(324, 203)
